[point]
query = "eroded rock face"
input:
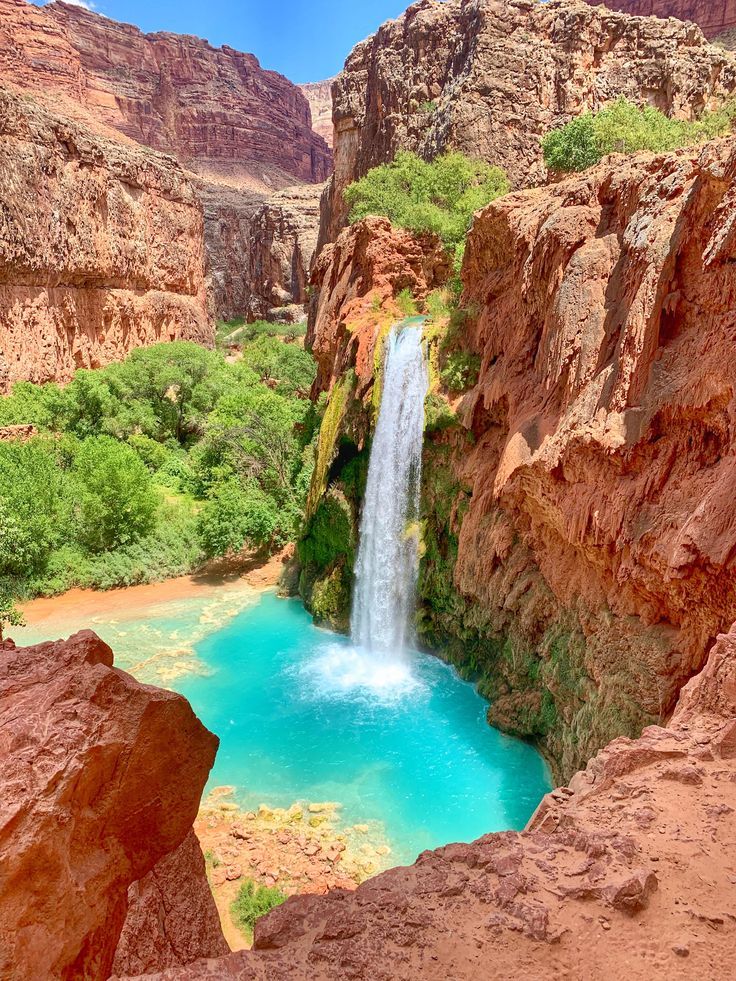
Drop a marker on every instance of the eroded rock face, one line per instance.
(244, 131)
(319, 96)
(355, 282)
(490, 77)
(172, 918)
(101, 780)
(284, 237)
(215, 109)
(712, 16)
(599, 528)
(101, 248)
(620, 874)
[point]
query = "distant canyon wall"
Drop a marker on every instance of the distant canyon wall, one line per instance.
(319, 96)
(215, 109)
(244, 131)
(491, 77)
(101, 248)
(713, 17)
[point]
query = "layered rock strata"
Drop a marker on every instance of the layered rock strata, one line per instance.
(101, 247)
(490, 77)
(215, 109)
(101, 780)
(713, 17)
(625, 872)
(579, 543)
(319, 96)
(244, 131)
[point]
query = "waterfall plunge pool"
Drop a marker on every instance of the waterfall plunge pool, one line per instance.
(302, 716)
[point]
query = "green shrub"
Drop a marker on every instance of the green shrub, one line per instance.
(252, 902)
(623, 127)
(117, 502)
(460, 371)
(440, 196)
(406, 303)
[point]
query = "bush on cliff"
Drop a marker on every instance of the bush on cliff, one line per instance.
(252, 902)
(439, 196)
(623, 127)
(142, 469)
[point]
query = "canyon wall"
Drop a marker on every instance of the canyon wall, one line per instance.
(101, 780)
(101, 247)
(215, 109)
(579, 543)
(319, 96)
(490, 77)
(714, 17)
(244, 131)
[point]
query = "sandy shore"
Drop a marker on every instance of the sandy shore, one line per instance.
(130, 601)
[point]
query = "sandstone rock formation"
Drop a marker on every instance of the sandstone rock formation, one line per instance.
(319, 96)
(598, 520)
(579, 539)
(101, 779)
(246, 132)
(356, 277)
(712, 16)
(284, 237)
(625, 873)
(215, 109)
(490, 77)
(101, 247)
(172, 918)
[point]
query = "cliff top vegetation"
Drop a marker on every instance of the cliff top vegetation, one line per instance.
(623, 127)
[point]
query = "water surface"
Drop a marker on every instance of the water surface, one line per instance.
(301, 716)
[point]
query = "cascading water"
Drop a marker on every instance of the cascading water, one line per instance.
(386, 569)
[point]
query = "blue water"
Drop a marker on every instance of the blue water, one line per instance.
(301, 718)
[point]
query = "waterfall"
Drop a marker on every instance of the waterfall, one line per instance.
(387, 564)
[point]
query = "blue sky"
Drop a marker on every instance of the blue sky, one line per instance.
(306, 40)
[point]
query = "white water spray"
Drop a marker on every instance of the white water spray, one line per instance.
(387, 565)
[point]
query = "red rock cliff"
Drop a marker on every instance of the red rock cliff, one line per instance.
(245, 131)
(101, 779)
(101, 247)
(215, 109)
(490, 77)
(712, 16)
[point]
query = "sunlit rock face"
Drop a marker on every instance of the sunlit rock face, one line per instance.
(599, 533)
(713, 17)
(101, 249)
(215, 109)
(490, 77)
(244, 131)
(101, 780)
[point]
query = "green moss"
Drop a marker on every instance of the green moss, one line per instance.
(327, 441)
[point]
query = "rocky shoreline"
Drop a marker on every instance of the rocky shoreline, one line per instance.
(304, 849)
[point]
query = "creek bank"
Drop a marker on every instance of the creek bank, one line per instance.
(302, 849)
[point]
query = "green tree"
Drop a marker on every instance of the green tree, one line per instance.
(117, 502)
(35, 504)
(440, 196)
(236, 517)
(10, 615)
